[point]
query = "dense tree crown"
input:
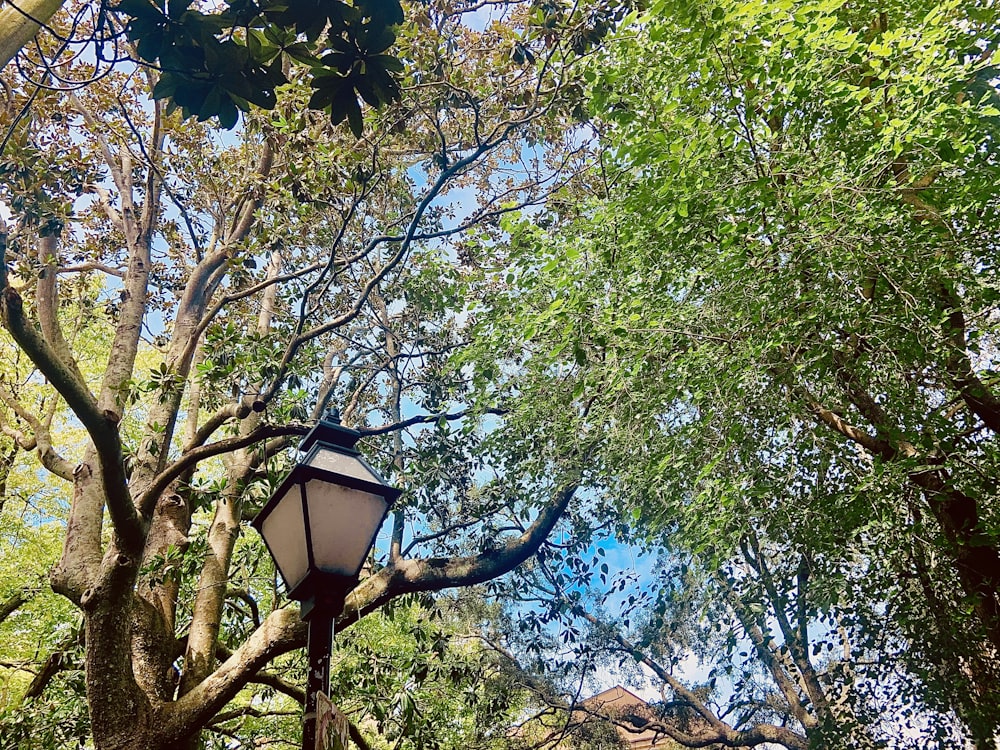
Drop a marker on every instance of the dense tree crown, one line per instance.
(713, 282)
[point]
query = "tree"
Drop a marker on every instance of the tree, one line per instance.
(777, 305)
(230, 289)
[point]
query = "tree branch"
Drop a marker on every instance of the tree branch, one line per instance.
(280, 632)
(407, 576)
(195, 455)
(798, 649)
(770, 654)
(47, 300)
(41, 441)
(57, 661)
(976, 394)
(426, 419)
(15, 601)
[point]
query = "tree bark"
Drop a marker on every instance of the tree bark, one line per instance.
(20, 21)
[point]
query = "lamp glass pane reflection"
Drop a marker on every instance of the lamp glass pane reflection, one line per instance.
(330, 459)
(284, 531)
(342, 525)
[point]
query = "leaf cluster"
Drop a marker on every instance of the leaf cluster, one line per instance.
(216, 64)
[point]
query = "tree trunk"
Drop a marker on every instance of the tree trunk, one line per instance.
(20, 21)
(120, 712)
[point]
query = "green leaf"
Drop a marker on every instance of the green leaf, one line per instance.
(177, 8)
(165, 87)
(142, 9)
(354, 118)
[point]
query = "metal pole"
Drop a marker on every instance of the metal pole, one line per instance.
(318, 681)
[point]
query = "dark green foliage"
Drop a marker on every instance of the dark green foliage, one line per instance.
(217, 64)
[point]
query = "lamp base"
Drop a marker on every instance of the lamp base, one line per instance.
(326, 601)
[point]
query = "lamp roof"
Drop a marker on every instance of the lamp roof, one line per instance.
(330, 430)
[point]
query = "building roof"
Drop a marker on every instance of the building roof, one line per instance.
(617, 702)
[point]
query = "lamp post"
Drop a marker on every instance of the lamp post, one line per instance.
(319, 526)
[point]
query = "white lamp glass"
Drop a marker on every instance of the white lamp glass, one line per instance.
(342, 463)
(343, 523)
(285, 531)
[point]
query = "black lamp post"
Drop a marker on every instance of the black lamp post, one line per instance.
(319, 526)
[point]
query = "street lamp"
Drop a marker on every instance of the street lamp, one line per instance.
(319, 526)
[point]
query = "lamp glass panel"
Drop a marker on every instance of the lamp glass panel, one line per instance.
(342, 463)
(343, 523)
(284, 530)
